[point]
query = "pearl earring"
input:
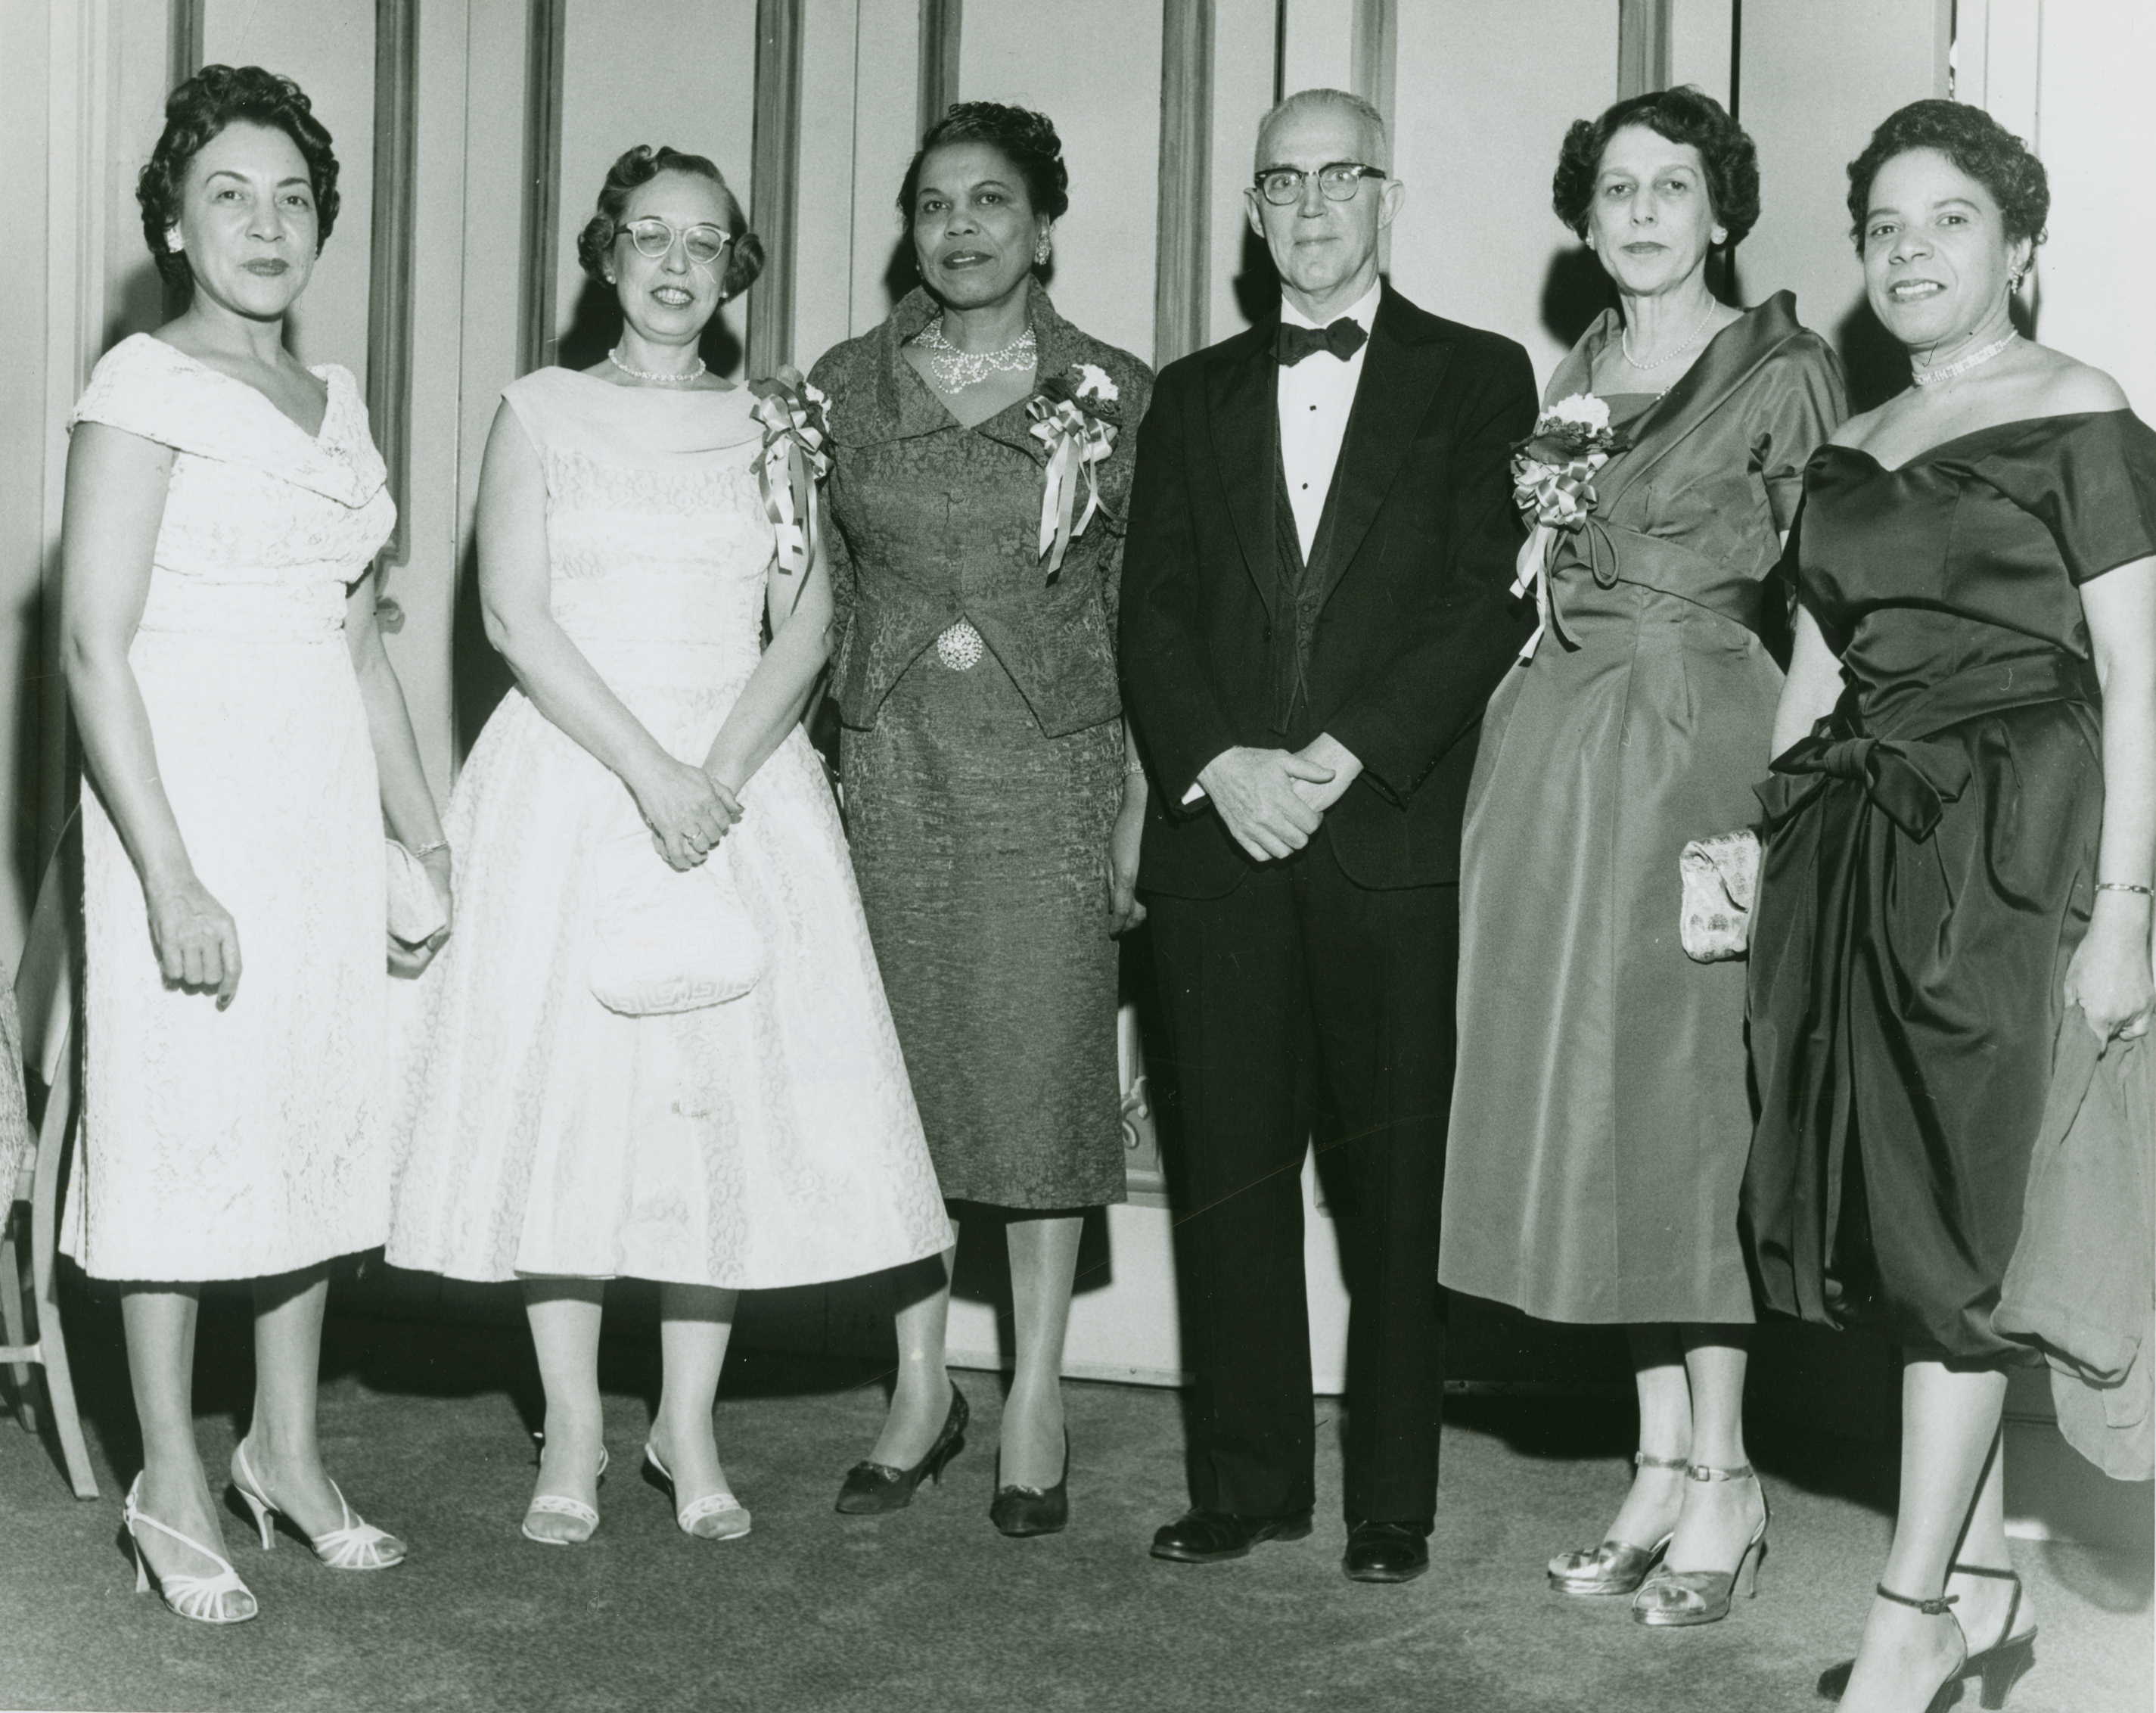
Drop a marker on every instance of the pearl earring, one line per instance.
(174, 242)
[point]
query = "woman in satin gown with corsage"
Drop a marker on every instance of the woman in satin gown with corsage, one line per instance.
(1960, 845)
(1600, 1115)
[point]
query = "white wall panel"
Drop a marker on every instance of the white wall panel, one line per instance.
(1100, 82)
(1244, 51)
(1483, 95)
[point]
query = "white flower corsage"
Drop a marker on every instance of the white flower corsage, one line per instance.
(1078, 439)
(1553, 471)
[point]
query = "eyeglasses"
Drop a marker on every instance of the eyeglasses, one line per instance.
(1340, 181)
(654, 237)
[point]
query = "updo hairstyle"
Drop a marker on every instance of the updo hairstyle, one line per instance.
(1683, 114)
(639, 166)
(1024, 138)
(198, 111)
(1975, 142)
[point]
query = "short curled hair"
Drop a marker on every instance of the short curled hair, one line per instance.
(1975, 142)
(1024, 138)
(196, 113)
(1683, 114)
(639, 166)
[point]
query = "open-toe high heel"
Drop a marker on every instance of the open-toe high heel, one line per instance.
(560, 1505)
(716, 1516)
(355, 1544)
(1677, 1599)
(1615, 1566)
(203, 1599)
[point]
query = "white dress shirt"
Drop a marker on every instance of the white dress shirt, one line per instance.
(1314, 398)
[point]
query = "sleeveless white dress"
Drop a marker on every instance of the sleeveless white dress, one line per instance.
(234, 1144)
(768, 1140)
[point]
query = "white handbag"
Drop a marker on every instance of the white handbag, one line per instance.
(665, 940)
(415, 914)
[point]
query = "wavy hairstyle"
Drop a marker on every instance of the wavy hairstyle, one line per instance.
(1683, 114)
(1024, 138)
(639, 166)
(1975, 142)
(198, 111)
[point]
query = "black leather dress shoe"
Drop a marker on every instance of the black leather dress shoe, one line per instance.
(1385, 1552)
(1200, 1536)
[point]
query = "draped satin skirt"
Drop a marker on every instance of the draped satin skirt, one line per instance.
(1923, 887)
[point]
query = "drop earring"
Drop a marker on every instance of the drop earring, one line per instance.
(1041, 253)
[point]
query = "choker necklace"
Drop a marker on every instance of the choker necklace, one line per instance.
(1624, 342)
(657, 376)
(1961, 366)
(955, 370)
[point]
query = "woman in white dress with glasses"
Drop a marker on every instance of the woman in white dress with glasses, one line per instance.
(643, 829)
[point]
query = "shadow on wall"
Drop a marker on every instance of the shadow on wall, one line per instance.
(1574, 291)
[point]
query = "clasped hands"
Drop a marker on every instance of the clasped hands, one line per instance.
(1273, 801)
(689, 810)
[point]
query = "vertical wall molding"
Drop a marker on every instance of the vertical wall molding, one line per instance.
(775, 181)
(547, 24)
(389, 285)
(941, 27)
(1643, 47)
(1373, 51)
(188, 26)
(1182, 283)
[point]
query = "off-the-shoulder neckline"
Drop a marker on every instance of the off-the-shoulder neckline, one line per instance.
(322, 372)
(1933, 451)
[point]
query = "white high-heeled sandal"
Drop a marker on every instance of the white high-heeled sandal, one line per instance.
(734, 1515)
(200, 1598)
(560, 1505)
(354, 1546)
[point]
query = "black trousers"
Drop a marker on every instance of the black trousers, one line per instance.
(1301, 1004)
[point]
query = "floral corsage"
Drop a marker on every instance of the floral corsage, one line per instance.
(1553, 471)
(793, 460)
(1073, 416)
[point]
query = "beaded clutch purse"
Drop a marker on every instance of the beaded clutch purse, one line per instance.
(664, 940)
(1720, 876)
(416, 915)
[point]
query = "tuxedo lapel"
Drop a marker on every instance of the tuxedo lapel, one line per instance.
(1400, 381)
(1243, 419)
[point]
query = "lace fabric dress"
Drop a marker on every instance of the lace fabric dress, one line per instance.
(769, 1141)
(233, 1143)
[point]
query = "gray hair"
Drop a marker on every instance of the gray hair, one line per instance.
(1372, 122)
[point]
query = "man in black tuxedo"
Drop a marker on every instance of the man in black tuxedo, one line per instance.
(1314, 612)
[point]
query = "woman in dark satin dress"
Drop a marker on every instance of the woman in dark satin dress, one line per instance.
(1959, 852)
(1600, 1115)
(993, 805)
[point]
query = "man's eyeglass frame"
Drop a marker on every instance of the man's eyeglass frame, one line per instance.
(1337, 182)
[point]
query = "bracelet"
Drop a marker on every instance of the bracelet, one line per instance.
(2122, 886)
(1133, 770)
(429, 850)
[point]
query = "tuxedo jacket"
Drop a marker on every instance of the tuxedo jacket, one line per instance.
(1414, 561)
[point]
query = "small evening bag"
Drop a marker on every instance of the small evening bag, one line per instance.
(665, 940)
(416, 915)
(1720, 876)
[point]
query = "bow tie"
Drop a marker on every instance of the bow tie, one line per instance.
(1292, 343)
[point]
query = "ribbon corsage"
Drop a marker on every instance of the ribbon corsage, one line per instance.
(1553, 471)
(792, 461)
(1078, 437)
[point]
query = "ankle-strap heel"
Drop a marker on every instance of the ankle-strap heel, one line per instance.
(1615, 1566)
(1998, 1668)
(1679, 1599)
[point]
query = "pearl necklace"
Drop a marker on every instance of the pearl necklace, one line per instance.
(956, 370)
(1624, 341)
(1961, 366)
(657, 376)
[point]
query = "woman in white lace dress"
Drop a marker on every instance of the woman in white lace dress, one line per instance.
(244, 736)
(642, 803)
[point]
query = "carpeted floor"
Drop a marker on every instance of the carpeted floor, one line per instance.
(427, 1427)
